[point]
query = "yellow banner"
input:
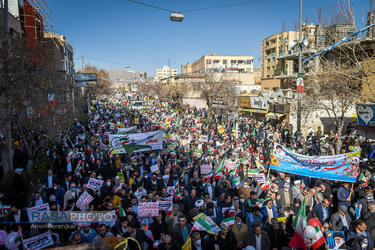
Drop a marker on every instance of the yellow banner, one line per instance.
(187, 245)
(136, 121)
(220, 129)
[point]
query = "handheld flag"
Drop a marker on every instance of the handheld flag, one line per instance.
(299, 225)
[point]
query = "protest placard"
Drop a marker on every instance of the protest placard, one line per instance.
(204, 138)
(94, 184)
(38, 242)
(220, 129)
(163, 205)
(83, 200)
(40, 208)
(335, 239)
(205, 169)
(229, 164)
(169, 198)
(154, 168)
(170, 190)
(121, 176)
(207, 219)
(146, 208)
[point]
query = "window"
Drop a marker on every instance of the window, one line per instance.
(63, 66)
(216, 61)
(248, 61)
(225, 62)
(63, 50)
(240, 61)
(268, 68)
(208, 61)
(233, 61)
(255, 72)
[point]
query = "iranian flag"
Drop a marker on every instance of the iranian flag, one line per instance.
(18, 236)
(211, 150)
(362, 177)
(177, 193)
(318, 239)
(201, 225)
(198, 153)
(229, 222)
(244, 161)
(179, 123)
(169, 212)
(121, 211)
(266, 185)
(156, 244)
(299, 225)
(92, 159)
(231, 211)
(218, 173)
(243, 137)
(237, 182)
(70, 154)
(253, 171)
(78, 171)
(157, 156)
(209, 175)
(124, 140)
(170, 117)
(111, 150)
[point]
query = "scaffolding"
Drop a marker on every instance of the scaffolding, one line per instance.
(41, 7)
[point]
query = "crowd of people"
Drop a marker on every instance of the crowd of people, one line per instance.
(263, 217)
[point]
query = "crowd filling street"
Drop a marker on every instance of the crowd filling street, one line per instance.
(211, 180)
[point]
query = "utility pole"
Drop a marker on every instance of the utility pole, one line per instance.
(6, 38)
(299, 73)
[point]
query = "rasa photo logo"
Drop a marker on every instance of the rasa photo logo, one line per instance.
(72, 217)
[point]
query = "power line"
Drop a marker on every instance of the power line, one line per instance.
(222, 6)
(125, 64)
(152, 6)
(198, 9)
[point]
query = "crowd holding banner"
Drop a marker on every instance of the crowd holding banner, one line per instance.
(193, 179)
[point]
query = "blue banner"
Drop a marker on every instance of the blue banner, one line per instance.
(343, 167)
(366, 114)
(335, 239)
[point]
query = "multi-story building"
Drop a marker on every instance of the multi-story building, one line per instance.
(165, 72)
(223, 64)
(257, 75)
(274, 46)
(61, 52)
(186, 68)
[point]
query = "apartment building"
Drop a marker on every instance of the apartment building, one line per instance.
(223, 64)
(165, 72)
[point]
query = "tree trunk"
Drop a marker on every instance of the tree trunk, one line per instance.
(340, 126)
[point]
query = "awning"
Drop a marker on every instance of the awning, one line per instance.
(274, 116)
(260, 111)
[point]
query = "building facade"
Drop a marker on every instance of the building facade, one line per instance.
(165, 72)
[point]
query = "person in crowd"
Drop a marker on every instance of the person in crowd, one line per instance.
(258, 238)
(340, 221)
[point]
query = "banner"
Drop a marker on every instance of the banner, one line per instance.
(94, 184)
(170, 190)
(343, 167)
(126, 130)
(146, 208)
(38, 242)
(204, 138)
(154, 168)
(83, 200)
(35, 216)
(153, 139)
(205, 169)
(220, 129)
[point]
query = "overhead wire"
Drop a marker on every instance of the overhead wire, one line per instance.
(198, 9)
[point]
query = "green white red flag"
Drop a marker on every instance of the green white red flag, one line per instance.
(266, 185)
(362, 177)
(229, 222)
(201, 225)
(169, 212)
(177, 193)
(318, 239)
(299, 224)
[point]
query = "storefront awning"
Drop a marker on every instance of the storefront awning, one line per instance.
(259, 111)
(274, 116)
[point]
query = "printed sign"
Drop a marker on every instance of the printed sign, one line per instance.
(146, 208)
(365, 114)
(170, 190)
(207, 219)
(35, 217)
(204, 138)
(163, 205)
(154, 168)
(121, 176)
(136, 121)
(335, 239)
(205, 169)
(220, 129)
(95, 184)
(83, 200)
(38, 242)
(258, 102)
(169, 198)
(229, 164)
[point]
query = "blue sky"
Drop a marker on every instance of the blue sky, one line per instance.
(124, 32)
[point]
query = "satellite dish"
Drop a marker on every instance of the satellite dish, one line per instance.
(292, 44)
(305, 42)
(177, 17)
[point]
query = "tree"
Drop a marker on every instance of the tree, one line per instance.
(213, 86)
(26, 79)
(335, 89)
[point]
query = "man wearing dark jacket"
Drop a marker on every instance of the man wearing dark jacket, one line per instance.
(137, 234)
(225, 239)
(181, 231)
(340, 221)
(322, 211)
(276, 235)
(357, 236)
(252, 236)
